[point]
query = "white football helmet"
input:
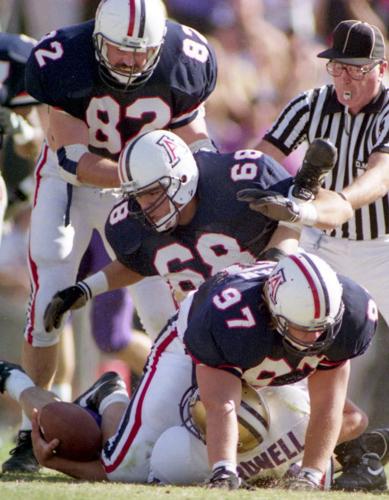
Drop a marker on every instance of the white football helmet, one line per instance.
(304, 292)
(130, 25)
(159, 158)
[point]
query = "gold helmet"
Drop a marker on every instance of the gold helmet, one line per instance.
(253, 417)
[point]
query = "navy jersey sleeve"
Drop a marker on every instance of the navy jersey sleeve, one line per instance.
(122, 232)
(126, 236)
(246, 168)
(358, 325)
(60, 69)
(271, 176)
(192, 71)
(222, 176)
(14, 53)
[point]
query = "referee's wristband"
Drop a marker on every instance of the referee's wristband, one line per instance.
(94, 285)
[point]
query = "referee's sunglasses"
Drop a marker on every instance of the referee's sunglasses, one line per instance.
(335, 68)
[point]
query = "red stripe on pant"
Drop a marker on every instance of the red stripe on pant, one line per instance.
(33, 267)
(143, 391)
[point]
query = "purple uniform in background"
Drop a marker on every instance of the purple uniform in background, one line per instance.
(112, 312)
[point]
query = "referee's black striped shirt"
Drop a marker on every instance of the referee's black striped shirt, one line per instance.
(318, 113)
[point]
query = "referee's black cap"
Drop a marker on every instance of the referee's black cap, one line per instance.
(356, 42)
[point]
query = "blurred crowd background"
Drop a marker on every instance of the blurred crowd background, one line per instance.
(266, 51)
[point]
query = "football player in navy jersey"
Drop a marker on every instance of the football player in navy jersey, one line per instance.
(17, 107)
(266, 324)
(274, 326)
(18, 115)
(106, 81)
(181, 219)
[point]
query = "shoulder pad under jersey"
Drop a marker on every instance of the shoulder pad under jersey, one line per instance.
(62, 66)
(188, 63)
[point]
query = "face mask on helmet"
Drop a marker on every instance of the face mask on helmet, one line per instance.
(124, 28)
(158, 164)
(253, 417)
(304, 293)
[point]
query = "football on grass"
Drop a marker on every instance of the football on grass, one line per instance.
(76, 429)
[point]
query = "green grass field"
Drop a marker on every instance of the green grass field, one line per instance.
(54, 486)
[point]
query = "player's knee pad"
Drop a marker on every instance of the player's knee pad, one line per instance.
(34, 330)
(40, 338)
(179, 458)
(154, 303)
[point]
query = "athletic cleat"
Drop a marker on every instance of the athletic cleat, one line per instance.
(374, 441)
(108, 383)
(364, 474)
(5, 371)
(377, 441)
(22, 459)
(319, 159)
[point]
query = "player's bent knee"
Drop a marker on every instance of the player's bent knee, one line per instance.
(178, 458)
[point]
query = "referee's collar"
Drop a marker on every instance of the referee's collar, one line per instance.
(373, 106)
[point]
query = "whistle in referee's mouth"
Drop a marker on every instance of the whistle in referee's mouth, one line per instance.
(347, 95)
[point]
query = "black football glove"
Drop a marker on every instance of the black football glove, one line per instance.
(73, 297)
(270, 204)
(224, 479)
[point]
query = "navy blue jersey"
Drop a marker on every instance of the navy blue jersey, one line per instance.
(222, 232)
(63, 72)
(230, 327)
(14, 52)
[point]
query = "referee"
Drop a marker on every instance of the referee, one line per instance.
(353, 113)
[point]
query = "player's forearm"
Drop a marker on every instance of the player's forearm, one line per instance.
(285, 239)
(220, 393)
(327, 391)
(90, 471)
(372, 185)
(321, 438)
(222, 435)
(94, 170)
(119, 276)
(332, 209)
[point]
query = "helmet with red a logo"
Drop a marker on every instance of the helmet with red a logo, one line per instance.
(304, 292)
(159, 159)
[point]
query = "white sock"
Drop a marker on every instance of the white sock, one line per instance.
(26, 423)
(16, 383)
(63, 391)
(115, 397)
